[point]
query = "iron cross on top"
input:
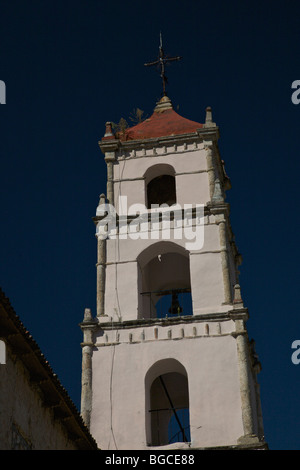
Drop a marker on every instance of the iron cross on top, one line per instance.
(161, 62)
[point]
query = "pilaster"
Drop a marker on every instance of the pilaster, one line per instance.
(87, 326)
(101, 268)
(210, 167)
(240, 315)
(110, 158)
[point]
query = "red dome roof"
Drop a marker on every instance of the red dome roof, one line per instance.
(163, 122)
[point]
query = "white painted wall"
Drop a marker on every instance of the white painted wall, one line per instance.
(122, 272)
(207, 351)
(192, 188)
(214, 393)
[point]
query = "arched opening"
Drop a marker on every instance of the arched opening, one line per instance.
(161, 190)
(164, 281)
(167, 401)
(160, 185)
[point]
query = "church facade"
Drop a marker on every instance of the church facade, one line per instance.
(166, 359)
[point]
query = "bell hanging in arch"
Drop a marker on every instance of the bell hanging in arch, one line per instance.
(175, 308)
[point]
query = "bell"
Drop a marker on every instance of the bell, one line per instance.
(175, 308)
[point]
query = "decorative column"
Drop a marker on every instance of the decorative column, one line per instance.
(240, 315)
(208, 145)
(87, 327)
(210, 167)
(245, 382)
(224, 259)
(109, 145)
(101, 276)
(110, 158)
(256, 367)
(101, 268)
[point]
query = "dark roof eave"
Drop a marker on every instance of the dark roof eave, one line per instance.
(40, 372)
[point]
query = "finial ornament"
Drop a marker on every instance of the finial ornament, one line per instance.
(237, 298)
(87, 314)
(102, 199)
(218, 193)
(208, 118)
(161, 62)
(108, 130)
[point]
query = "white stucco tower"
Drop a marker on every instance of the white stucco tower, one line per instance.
(167, 362)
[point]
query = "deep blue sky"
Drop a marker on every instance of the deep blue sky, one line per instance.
(70, 66)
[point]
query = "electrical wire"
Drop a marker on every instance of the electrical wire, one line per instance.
(117, 310)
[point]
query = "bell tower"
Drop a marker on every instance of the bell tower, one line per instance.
(167, 362)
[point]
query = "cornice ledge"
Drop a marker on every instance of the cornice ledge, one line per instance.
(209, 131)
(109, 145)
(90, 324)
(218, 208)
(239, 313)
(152, 141)
(164, 321)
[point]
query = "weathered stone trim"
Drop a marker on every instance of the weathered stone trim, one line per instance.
(110, 159)
(156, 339)
(101, 274)
(137, 323)
(245, 378)
(210, 168)
(87, 326)
(225, 262)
